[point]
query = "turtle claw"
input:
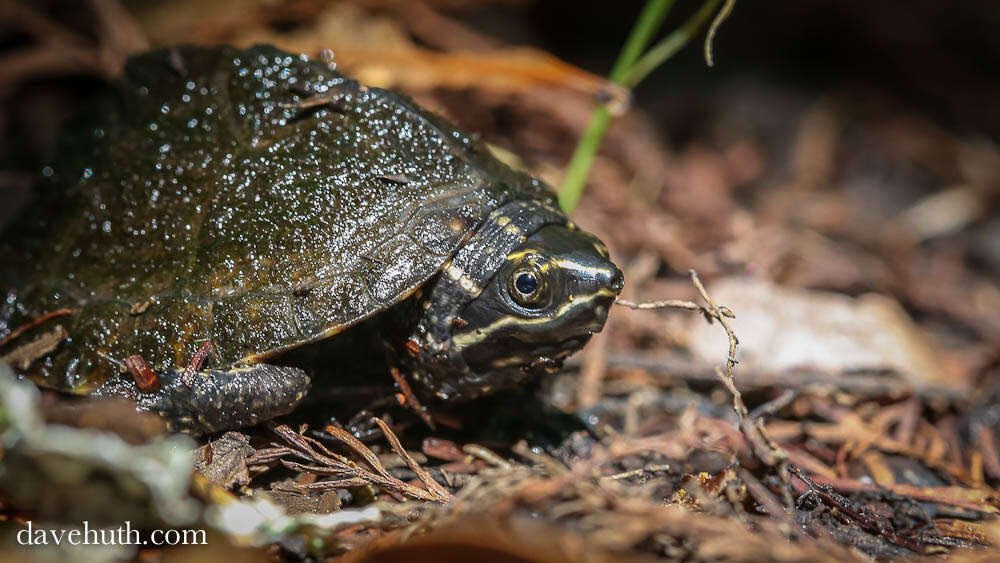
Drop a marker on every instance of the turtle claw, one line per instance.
(145, 379)
(362, 426)
(196, 362)
(408, 399)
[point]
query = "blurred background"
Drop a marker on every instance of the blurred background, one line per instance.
(834, 178)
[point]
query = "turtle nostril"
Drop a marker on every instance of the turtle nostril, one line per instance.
(617, 281)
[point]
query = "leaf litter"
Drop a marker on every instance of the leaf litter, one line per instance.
(838, 430)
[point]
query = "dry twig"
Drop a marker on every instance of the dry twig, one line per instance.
(345, 472)
(765, 448)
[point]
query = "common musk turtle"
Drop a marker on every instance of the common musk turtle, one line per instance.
(259, 201)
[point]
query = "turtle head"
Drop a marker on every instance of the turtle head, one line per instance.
(542, 305)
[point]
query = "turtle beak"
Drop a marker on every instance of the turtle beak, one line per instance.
(617, 280)
(609, 282)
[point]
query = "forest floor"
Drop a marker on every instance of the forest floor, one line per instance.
(849, 247)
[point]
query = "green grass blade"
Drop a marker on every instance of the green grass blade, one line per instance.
(670, 44)
(650, 20)
(630, 68)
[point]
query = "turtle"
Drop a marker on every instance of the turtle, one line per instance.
(230, 205)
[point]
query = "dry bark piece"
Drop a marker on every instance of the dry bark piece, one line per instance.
(325, 502)
(224, 460)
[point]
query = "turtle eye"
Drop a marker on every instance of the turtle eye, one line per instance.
(526, 283)
(527, 287)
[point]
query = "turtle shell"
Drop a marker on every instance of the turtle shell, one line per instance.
(253, 198)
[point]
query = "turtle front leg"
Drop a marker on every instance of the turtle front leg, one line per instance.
(216, 400)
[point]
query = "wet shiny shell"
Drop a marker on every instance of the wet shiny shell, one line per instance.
(204, 201)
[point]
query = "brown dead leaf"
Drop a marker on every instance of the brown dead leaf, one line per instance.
(783, 329)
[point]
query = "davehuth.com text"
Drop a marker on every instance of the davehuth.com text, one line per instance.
(121, 535)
